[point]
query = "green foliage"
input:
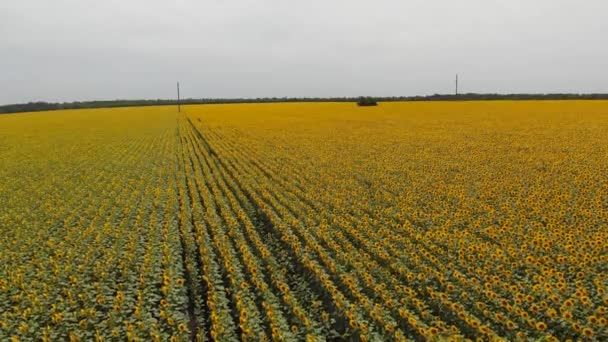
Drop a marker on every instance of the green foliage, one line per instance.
(367, 101)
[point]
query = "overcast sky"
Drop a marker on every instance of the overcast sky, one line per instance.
(64, 50)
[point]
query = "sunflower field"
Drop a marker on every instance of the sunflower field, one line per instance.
(438, 221)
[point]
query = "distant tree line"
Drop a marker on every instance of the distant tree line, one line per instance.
(44, 106)
(367, 101)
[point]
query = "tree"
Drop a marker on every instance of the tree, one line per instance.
(366, 101)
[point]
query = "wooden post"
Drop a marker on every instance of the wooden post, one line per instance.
(457, 84)
(178, 104)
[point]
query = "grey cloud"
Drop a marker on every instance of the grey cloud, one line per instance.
(65, 50)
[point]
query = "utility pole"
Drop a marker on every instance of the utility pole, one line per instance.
(178, 106)
(457, 84)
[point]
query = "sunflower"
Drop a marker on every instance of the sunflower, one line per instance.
(325, 316)
(499, 316)
(23, 328)
(243, 315)
(484, 329)
(276, 333)
(588, 332)
(57, 317)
